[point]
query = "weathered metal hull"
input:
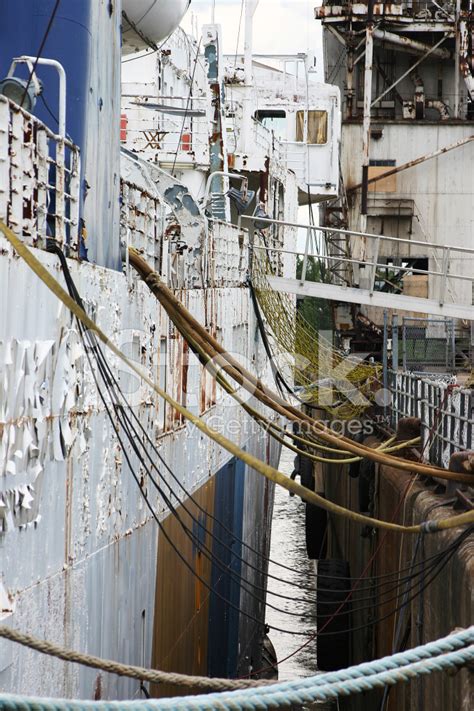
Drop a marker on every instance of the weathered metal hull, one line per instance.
(83, 563)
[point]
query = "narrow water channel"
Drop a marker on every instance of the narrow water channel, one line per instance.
(288, 547)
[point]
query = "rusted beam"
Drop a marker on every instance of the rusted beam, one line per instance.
(412, 163)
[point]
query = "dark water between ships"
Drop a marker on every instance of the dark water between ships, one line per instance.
(288, 547)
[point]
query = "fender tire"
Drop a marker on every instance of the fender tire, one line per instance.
(333, 650)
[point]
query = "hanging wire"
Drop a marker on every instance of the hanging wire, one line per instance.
(104, 369)
(41, 48)
(187, 107)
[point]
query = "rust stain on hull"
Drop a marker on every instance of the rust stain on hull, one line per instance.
(180, 634)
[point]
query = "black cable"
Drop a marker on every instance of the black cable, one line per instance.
(393, 612)
(116, 388)
(48, 109)
(259, 600)
(148, 54)
(165, 498)
(96, 348)
(40, 50)
(122, 414)
(280, 381)
(276, 372)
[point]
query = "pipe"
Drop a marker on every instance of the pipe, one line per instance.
(250, 7)
(411, 45)
(457, 59)
(439, 106)
(431, 50)
(223, 174)
(463, 58)
(414, 162)
(369, 51)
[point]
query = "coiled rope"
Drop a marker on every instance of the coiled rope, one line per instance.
(261, 467)
(446, 653)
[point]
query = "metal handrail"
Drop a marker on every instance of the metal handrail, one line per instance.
(367, 263)
(353, 233)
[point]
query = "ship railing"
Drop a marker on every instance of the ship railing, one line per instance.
(262, 135)
(158, 130)
(142, 223)
(187, 144)
(445, 409)
(377, 273)
(39, 180)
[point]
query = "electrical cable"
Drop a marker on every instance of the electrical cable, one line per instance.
(211, 588)
(190, 534)
(120, 410)
(117, 387)
(54, 286)
(157, 452)
(185, 115)
(349, 594)
(147, 53)
(254, 462)
(232, 605)
(41, 48)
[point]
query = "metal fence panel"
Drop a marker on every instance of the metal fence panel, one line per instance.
(428, 344)
(446, 412)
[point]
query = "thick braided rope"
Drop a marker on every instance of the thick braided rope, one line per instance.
(151, 675)
(233, 701)
(358, 677)
(259, 698)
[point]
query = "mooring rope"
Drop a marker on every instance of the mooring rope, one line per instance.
(154, 676)
(443, 654)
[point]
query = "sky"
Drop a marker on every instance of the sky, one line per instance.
(280, 26)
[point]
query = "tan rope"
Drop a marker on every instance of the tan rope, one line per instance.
(155, 676)
(195, 332)
(253, 462)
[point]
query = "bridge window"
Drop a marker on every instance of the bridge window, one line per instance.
(317, 127)
(274, 120)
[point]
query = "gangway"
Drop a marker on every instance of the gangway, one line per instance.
(373, 262)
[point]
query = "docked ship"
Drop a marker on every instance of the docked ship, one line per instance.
(124, 532)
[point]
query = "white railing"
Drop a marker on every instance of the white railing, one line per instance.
(142, 223)
(444, 255)
(39, 180)
(173, 126)
(446, 412)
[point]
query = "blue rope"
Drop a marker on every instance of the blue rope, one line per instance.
(435, 656)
